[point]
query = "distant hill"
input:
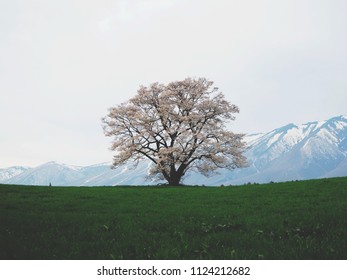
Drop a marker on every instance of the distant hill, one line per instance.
(8, 173)
(292, 152)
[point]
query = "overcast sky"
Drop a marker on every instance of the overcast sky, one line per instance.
(64, 63)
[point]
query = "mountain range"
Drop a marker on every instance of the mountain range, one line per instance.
(292, 152)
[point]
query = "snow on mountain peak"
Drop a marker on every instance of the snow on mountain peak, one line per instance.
(8, 173)
(55, 164)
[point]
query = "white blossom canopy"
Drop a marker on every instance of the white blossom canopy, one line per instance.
(179, 127)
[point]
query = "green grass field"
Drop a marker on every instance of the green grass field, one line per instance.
(293, 220)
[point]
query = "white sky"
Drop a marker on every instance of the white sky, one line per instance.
(64, 63)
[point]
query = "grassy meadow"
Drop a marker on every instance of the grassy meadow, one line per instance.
(293, 220)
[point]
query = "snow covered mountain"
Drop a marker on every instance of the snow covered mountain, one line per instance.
(103, 175)
(58, 174)
(312, 150)
(8, 173)
(292, 152)
(50, 172)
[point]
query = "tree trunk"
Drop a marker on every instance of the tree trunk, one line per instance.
(174, 179)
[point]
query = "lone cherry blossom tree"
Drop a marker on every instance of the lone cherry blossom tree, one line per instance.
(178, 127)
